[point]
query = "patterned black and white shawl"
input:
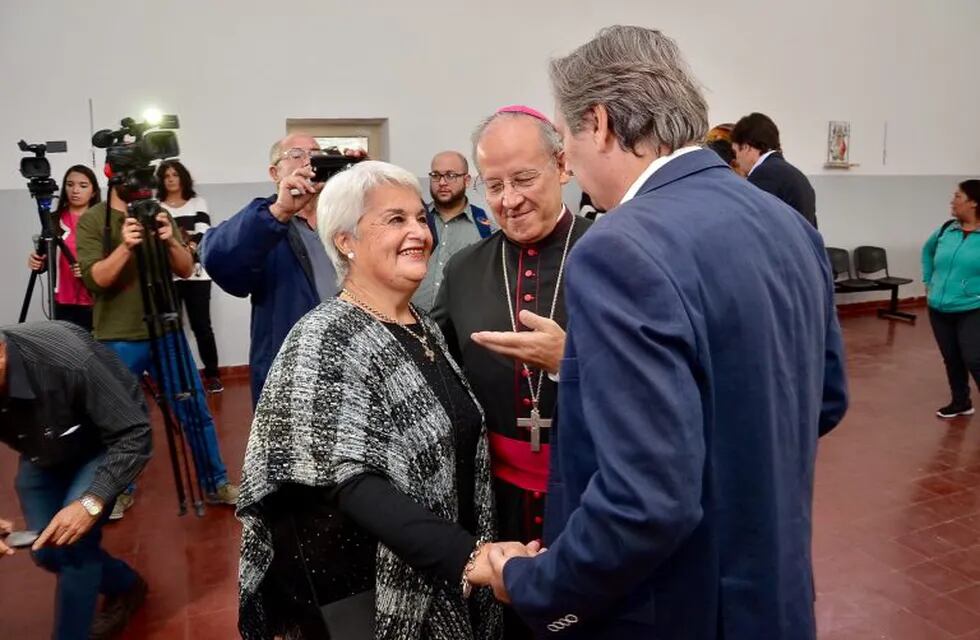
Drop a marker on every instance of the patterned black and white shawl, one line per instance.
(344, 398)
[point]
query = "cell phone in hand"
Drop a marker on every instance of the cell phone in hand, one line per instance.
(21, 539)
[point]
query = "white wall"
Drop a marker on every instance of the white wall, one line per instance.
(234, 71)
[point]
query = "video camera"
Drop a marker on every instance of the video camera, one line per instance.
(37, 170)
(331, 162)
(129, 162)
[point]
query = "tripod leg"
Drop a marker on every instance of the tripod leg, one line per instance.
(171, 445)
(186, 382)
(152, 327)
(27, 297)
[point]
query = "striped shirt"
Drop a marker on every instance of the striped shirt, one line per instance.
(68, 399)
(193, 220)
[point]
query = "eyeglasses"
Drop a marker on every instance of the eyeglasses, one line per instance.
(449, 176)
(519, 183)
(299, 154)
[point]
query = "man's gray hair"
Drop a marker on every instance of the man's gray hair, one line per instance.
(341, 203)
(275, 151)
(641, 79)
(550, 138)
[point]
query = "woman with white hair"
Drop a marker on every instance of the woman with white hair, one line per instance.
(367, 468)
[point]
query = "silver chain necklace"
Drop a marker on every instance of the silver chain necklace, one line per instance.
(535, 389)
(423, 338)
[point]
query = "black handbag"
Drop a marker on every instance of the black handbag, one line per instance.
(351, 618)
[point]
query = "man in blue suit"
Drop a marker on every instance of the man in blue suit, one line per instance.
(703, 360)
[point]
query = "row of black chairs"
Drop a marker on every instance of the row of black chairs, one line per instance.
(868, 261)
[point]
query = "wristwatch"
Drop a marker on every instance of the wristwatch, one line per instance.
(91, 505)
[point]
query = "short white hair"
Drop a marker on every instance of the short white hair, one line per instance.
(341, 203)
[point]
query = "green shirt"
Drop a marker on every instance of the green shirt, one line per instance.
(951, 269)
(118, 312)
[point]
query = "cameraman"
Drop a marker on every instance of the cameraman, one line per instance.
(77, 417)
(270, 251)
(107, 241)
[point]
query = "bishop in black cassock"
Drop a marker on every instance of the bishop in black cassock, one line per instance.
(485, 288)
(472, 299)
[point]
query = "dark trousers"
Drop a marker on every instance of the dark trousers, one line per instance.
(74, 313)
(196, 296)
(958, 337)
(84, 569)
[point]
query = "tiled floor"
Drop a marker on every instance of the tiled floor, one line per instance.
(897, 516)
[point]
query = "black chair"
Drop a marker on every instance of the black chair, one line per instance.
(871, 260)
(844, 280)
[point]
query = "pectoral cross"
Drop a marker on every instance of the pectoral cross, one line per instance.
(535, 423)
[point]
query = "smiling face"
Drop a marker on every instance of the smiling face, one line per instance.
(79, 190)
(392, 244)
(522, 180)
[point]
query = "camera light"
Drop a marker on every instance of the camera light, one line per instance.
(153, 116)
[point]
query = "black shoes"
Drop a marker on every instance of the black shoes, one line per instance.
(117, 610)
(954, 409)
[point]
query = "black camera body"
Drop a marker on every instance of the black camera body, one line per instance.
(37, 169)
(129, 162)
(331, 162)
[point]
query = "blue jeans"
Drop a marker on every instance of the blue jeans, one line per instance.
(203, 441)
(84, 569)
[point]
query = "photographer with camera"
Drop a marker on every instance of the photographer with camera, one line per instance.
(108, 241)
(72, 301)
(270, 251)
(78, 420)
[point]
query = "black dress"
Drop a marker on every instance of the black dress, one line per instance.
(338, 528)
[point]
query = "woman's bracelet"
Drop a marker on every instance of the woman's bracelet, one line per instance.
(464, 582)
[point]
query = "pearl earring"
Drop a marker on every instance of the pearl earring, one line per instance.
(350, 256)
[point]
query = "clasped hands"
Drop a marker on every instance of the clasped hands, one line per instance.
(488, 567)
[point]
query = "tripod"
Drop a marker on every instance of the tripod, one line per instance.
(48, 243)
(171, 361)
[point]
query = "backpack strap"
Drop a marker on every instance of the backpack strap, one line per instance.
(942, 230)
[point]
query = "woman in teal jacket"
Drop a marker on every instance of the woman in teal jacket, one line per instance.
(951, 271)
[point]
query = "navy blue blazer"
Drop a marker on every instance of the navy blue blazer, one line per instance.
(253, 254)
(787, 183)
(703, 360)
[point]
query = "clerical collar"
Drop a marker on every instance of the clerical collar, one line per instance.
(557, 234)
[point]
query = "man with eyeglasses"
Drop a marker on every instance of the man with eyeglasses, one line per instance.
(270, 251)
(454, 222)
(501, 307)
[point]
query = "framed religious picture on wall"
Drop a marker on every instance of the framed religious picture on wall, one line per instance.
(838, 145)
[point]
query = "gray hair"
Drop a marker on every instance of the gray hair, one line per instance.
(341, 203)
(641, 79)
(550, 138)
(276, 150)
